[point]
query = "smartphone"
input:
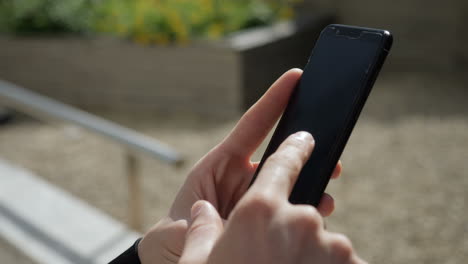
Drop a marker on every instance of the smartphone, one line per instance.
(328, 99)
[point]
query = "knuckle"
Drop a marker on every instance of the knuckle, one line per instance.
(312, 218)
(307, 220)
(257, 206)
(287, 161)
(275, 158)
(202, 228)
(341, 247)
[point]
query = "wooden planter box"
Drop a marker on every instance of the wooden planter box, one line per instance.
(219, 78)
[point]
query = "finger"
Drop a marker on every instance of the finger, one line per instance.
(255, 124)
(280, 171)
(167, 233)
(341, 249)
(337, 171)
(326, 205)
(202, 234)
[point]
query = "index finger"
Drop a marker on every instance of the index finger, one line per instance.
(255, 124)
(280, 171)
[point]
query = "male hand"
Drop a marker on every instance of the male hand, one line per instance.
(264, 228)
(223, 175)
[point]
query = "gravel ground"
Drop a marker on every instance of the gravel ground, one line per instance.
(401, 198)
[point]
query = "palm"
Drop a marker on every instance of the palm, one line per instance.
(217, 178)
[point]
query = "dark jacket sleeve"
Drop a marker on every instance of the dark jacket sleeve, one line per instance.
(129, 256)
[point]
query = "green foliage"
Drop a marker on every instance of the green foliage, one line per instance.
(145, 21)
(45, 16)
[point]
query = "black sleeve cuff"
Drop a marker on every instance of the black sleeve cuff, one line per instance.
(130, 256)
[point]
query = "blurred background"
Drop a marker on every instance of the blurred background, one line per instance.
(183, 72)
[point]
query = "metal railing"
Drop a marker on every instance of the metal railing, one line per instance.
(42, 107)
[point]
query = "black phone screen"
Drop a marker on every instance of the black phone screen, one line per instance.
(327, 101)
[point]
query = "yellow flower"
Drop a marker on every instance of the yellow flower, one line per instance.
(165, 21)
(215, 30)
(286, 13)
(121, 29)
(162, 39)
(196, 17)
(142, 39)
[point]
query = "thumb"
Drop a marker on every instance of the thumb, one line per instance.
(202, 234)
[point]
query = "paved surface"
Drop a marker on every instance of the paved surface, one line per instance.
(52, 227)
(402, 197)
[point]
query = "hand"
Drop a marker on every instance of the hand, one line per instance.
(264, 227)
(223, 175)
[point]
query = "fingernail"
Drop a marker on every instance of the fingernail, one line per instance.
(197, 208)
(304, 136)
